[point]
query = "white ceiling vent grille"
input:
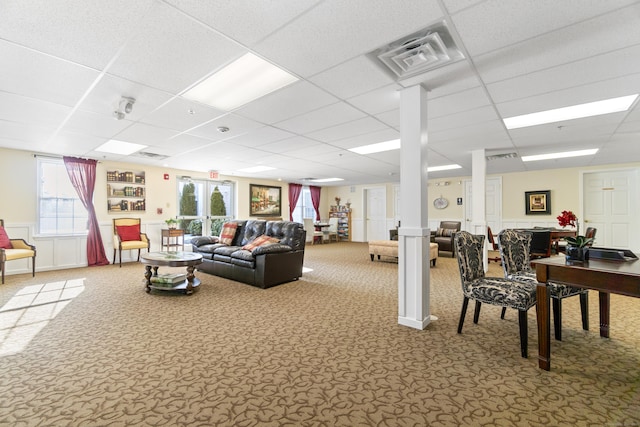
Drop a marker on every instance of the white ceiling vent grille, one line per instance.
(419, 52)
(150, 155)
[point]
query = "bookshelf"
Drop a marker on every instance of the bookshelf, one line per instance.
(126, 191)
(343, 214)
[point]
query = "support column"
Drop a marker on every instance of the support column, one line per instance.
(413, 234)
(478, 186)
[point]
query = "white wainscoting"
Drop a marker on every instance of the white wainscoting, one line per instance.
(62, 252)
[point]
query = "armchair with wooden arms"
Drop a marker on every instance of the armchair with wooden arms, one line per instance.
(127, 235)
(11, 249)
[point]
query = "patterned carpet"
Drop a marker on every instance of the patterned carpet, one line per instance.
(88, 347)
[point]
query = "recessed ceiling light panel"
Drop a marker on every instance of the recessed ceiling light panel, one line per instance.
(590, 109)
(561, 155)
(120, 147)
(377, 148)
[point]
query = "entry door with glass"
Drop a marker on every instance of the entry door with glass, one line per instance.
(203, 206)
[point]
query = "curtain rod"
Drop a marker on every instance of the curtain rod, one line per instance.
(53, 156)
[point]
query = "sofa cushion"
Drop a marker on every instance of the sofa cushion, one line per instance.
(445, 232)
(5, 243)
(228, 232)
(260, 241)
(226, 250)
(128, 233)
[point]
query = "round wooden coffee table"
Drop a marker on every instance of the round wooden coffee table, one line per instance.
(153, 260)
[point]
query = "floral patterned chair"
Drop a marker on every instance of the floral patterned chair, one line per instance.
(514, 250)
(490, 290)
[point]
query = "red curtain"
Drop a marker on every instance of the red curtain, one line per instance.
(294, 195)
(82, 173)
(315, 199)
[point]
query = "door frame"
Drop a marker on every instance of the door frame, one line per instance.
(365, 214)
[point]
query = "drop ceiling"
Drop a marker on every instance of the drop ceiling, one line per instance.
(66, 65)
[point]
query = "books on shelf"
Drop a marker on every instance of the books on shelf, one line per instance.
(168, 279)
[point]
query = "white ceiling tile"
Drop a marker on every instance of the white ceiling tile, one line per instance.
(522, 19)
(248, 21)
(574, 74)
(352, 78)
(291, 101)
(184, 50)
(336, 31)
(589, 39)
(106, 95)
(236, 125)
(379, 100)
(290, 145)
(465, 118)
(98, 125)
(140, 133)
(324, 117)
(261, 136)
(458, 102)
(181, 114)
(20, 132)
(348, 130)
(32, 111)
(88, 32)
(37, 75)
(622, 86)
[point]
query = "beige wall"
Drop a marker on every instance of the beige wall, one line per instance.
(18, 173)
(18, 191)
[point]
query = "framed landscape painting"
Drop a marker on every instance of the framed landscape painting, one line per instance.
(264, 200)
(537, 202)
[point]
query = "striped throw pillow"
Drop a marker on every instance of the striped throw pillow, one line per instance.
(228, 232)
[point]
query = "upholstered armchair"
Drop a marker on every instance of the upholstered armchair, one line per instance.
(11, 249)
(443, 236)
(514, 251)
(127, 235)
(490, 290)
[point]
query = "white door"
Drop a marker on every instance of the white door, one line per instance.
(610, 198)
(376, 214)
(493, 205)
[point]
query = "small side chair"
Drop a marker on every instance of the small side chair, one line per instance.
(514, 250)
(490, 290)
(15, 249)
(127, 235)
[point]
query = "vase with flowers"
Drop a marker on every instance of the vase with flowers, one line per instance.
(576, 246)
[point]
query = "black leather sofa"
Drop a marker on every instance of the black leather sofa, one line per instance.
(263, 266)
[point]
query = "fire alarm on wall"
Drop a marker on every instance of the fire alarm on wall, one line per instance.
(166, 176)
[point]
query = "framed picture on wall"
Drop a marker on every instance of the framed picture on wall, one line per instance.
(264, 200)
(537, 202)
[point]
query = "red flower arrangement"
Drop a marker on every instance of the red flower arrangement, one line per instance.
(567, 218)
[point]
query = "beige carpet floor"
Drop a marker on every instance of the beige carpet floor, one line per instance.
(88, 347)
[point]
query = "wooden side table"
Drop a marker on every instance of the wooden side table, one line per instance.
(172, 238)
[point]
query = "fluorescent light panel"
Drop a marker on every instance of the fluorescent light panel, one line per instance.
(590, 109)
(559, 155)
(247, 78)
(443, 168)
(327, 180)
(377, 148)
(120, 147)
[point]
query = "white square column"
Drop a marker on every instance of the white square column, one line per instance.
(413, 234)
(479, 208)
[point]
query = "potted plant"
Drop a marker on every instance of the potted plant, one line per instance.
(171, 222)
(576, 247)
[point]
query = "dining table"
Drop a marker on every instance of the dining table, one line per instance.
(606, 276)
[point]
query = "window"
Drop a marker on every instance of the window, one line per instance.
(304, 207)
(60, 210)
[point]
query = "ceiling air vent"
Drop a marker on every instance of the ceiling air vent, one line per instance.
(150, 155)
(501, 156)
(419, 52)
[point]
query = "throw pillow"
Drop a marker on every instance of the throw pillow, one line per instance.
(228, 232)
(128, 232)
(5, 243)
(260, 241)
(440, 232)
(448, 232)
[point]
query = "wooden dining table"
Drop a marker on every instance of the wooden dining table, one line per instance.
(606, 276)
